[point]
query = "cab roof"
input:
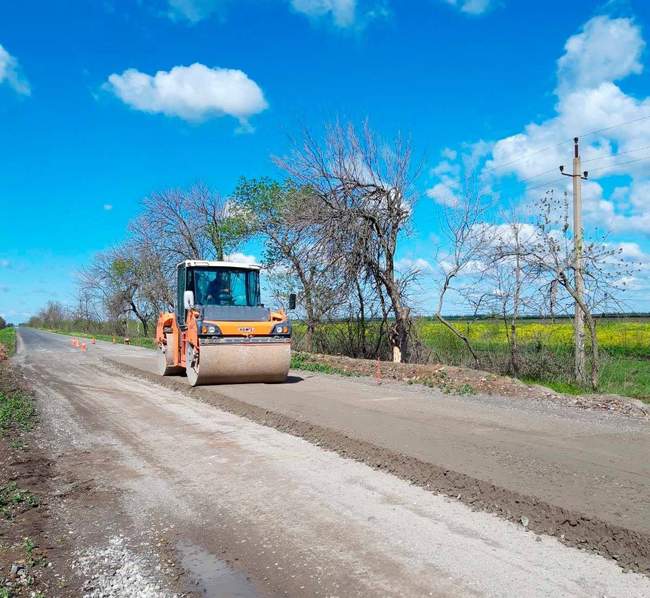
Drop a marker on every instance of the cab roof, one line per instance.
(218, 264)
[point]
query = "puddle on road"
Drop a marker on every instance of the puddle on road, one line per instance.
(215, 577)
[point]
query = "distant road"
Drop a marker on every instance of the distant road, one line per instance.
(298, 520)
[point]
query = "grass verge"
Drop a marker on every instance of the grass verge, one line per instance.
(17, 412)
(8, 339)
(303, 361)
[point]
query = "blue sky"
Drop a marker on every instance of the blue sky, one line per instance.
(88, 127)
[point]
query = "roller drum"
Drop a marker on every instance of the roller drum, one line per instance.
(239, 362)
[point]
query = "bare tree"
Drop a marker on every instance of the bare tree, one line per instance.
(467, 236)
(364, 199)
(511, 284)
(117, 278)
(550, 253)
(52, 316)
(176, 225)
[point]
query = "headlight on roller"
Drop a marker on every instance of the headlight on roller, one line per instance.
(210, 329)
(284, 328)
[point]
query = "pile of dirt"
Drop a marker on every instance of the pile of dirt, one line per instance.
(466, 381)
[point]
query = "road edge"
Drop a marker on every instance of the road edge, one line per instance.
(631, 549)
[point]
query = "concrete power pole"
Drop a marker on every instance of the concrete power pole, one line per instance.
(579, 318)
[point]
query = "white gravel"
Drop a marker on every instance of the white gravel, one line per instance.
(114, 571)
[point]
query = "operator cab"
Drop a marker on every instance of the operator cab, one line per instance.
(220, 290)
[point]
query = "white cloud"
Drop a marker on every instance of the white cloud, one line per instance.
(445, 193)
(343, 12)
(10, 73)
(587, 99)
(472, 7)
(193, 93)
(108, 207)
(4, 263)
(240, 258)
(605, 50)
(449, 154)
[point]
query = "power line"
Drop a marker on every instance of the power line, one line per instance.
(583, 135)
(623, 124)
(620, 164)
(636, 149)
(526, 156)
(535, 176)
(548, 183)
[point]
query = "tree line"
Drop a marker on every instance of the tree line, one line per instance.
(331, 226)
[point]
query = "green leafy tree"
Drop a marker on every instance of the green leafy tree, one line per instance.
(284, 215)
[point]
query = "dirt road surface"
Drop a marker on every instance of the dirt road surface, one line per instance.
(173, 495)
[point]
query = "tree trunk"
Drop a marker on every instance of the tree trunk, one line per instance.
(595, 353)
(362, 319)
(399, 331)
(511, 336)
(143, 319)
(514, 347)
(309, 336)
(452, 328)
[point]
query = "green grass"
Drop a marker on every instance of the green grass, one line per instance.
(12, 498)
(301, 361)
(17, 413)
(8, 339)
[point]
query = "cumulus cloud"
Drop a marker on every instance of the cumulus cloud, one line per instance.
(11, 73)
(108, 207)
(472, 7)
(589, 102)
(605, 50)
(193, 93)
(445, 192)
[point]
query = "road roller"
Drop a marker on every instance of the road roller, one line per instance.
(220, 332)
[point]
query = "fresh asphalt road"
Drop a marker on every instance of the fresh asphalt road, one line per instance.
(300, 520)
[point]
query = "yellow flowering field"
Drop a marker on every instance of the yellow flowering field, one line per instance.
(620, 336)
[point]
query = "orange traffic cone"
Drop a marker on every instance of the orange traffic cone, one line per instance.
(378, 372)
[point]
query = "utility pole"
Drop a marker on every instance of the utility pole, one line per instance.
(579, 318)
